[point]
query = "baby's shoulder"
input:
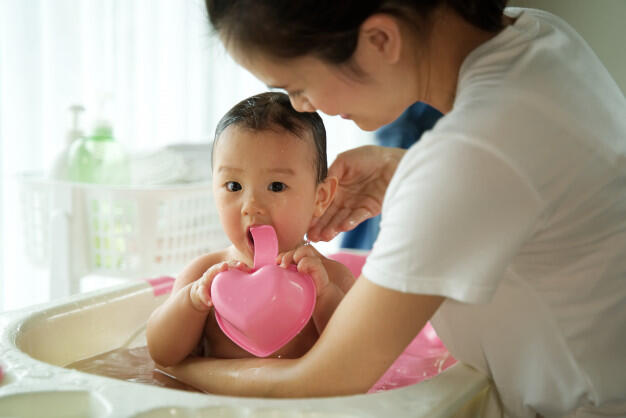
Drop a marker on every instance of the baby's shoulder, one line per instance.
(196, 267)
(339, 274)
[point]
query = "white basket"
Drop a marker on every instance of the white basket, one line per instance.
(77, 229)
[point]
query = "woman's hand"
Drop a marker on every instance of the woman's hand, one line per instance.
(200, 290)
(363, 174)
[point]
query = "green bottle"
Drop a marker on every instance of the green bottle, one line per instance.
(99, 158)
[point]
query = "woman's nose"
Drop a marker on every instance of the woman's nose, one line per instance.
(302, 104)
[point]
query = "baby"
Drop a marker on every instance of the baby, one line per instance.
(269, 168)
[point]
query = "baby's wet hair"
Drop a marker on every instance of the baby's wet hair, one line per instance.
(271, 110)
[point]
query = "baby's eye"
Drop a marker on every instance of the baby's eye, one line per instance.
(233, 186)
(277, 186)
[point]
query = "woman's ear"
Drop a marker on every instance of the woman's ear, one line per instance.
(380, 39)
(325, 195)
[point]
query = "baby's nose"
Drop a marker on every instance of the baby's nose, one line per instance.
(252, 206)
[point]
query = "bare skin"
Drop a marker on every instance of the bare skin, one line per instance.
(333, 366)
(201, 324)
(365, 173)
(372, 325)
(261, 177)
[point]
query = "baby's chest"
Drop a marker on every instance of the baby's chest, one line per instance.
(223, 347)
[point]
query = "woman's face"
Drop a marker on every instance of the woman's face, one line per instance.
(370, 101)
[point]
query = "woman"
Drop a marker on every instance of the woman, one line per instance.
(403, 132)
(506, 223)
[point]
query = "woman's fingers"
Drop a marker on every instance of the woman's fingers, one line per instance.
(343, 220)
(354, 219)
(363, 174)
(334, 226)
(339, 220)
(314, 232)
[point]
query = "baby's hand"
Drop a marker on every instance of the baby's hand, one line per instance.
(200, 290)
(309, 261)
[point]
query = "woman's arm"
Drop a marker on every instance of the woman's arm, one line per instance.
(369, 329)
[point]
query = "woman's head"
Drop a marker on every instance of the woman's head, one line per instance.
(269, 168)
(364, 60)
(328, 29)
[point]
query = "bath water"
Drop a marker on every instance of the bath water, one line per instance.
(424, 358)
(130, 364)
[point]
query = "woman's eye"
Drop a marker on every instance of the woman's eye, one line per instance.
(233, 186)
(277, 186)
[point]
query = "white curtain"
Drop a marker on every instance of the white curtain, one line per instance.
(151, 66)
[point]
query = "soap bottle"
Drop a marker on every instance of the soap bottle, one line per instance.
(99, 158)
(59, 169)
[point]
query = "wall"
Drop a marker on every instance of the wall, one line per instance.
(601, 23)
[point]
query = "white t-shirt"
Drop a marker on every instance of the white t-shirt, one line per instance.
(514, 207)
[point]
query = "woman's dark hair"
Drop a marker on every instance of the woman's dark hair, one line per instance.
(328, 29)
(272, 110)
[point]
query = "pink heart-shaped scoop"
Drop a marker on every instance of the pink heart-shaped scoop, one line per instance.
(263, 310)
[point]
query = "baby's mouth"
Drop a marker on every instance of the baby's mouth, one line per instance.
(250, 240)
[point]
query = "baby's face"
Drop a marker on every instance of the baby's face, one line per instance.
(264, 178)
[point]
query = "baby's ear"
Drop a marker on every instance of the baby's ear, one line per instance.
(325, 195)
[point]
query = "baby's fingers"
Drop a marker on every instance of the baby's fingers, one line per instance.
(294, 256)
(314, 267)
(199, 295)
(204, 294)
(201, 289)
(238, 265)
(305, 251)
(285, 258)
(209, 275)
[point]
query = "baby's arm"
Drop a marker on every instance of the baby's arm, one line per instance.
(332, 280)
(175, 328)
